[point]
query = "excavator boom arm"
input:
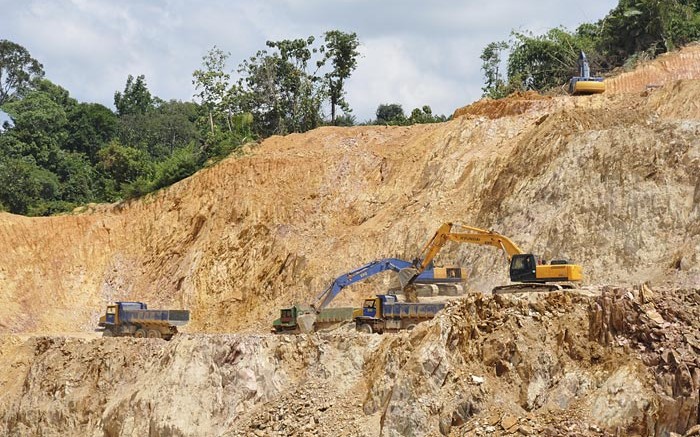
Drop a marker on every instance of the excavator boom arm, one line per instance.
(359, 274)
(523, 267)
(468, 234)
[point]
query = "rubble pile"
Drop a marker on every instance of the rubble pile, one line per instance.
(663, 329)
(596, 361)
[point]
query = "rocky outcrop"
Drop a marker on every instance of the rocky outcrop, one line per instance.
(587, 362)
(662, 328)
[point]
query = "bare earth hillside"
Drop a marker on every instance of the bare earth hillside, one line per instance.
(611, 181)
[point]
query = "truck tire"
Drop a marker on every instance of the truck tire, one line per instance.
(140, 333)
(154, 333)
(365, 327)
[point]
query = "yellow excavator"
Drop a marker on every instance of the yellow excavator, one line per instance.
(527, 271)
(585, 83)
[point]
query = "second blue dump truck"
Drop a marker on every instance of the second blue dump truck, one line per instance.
(384, 313)
(134, 319)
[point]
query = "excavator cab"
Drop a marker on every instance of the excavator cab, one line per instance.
(523, 268)
(527, 268)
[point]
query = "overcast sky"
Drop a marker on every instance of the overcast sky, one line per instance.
(413, 52)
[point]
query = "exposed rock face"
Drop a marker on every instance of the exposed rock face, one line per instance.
(612, 183)
(663, 328)
(622, 360)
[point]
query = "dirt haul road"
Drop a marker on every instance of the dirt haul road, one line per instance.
(611, 181)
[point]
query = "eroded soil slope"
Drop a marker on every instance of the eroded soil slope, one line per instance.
(612, 182)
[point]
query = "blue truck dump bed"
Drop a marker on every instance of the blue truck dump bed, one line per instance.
(173, 317)
(402, 310)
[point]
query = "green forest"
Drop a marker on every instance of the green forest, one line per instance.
(634, 31)
(57, 153)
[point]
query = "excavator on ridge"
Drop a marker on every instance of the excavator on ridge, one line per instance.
(527, 271)
(585, 83)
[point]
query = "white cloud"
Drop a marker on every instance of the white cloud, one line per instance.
(415, 52)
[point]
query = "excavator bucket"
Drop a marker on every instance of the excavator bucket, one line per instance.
(407, 275)
(306, 322)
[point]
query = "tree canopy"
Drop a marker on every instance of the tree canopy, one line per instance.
(634, 29)
(58, 153)
(19, 72)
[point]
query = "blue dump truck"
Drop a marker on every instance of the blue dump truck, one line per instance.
(385, 313)
(134, 319)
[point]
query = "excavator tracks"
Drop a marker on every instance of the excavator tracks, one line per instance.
(534, 287)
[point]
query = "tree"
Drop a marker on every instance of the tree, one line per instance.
(136, 99)
(173, 126)
(390, 114)
(181, 164)
(90, 127)
(424, 115)
(123, 164)
(39, 124)
(491, 63)
(77, 178)
(545, 61)
(18, 71)
(23, 184)
(213, 84)
(278, 89)
(168, 126)
(647, 26)
(341, 50)
(634, 29)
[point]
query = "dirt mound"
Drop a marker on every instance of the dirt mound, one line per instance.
(515, 104)
(588, 363)
(663, 71)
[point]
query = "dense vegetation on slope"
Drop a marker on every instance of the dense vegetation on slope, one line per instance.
(57, 153)
(634, 30)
